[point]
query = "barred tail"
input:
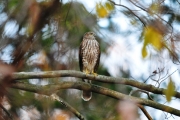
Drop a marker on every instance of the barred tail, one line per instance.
(86, 95)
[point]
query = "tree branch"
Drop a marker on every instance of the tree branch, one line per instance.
(145, 112)
(52, 88)
(7, 112)
(73, 110)
(100, 78)
(147, 93)
(142, 21)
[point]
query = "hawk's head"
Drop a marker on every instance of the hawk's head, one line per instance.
(89, 35)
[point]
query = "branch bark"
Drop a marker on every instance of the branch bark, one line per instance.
(52, 88)
(7, 112)
(145, 112)
(73, 110)
(100, 78)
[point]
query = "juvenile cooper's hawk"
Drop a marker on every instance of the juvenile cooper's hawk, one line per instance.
(89, 56)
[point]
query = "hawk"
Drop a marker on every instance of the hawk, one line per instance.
(89, 56)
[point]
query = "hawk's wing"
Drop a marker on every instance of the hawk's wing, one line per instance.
(97, 62)
(80, 57)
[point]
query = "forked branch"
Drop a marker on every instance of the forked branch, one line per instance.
(53, 88)
(100, 78)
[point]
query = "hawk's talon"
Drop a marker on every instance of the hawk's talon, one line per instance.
(86, 72)
(95, 74)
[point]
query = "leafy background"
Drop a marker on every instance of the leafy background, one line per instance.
(138, 39)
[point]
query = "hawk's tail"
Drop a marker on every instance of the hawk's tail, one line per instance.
(86, 95)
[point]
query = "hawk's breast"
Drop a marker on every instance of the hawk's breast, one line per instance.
(90, 52)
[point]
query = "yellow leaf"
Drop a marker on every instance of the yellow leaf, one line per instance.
(109, 6)
(144, 52)
(153, 37)
(154, 8)
(170, 91)
(101, 10)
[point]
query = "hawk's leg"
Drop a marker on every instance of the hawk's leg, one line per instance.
(86, 71)
(95, 74)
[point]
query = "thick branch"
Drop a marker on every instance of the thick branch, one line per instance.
(52, 88)
(100, 78)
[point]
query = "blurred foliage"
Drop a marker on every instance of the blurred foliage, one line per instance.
(47, 40)
(104, 9)
(170, 91)
(154, 8)
(152, 37)
(39, 35)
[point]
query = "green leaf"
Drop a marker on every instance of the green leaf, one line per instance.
(170, 91)
(12, 3)
(47, 43)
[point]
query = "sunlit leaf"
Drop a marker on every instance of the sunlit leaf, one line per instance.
(154, 8)
(144, 52)
(170, 91)
(153, 37)
(101, 10)
(109, 6)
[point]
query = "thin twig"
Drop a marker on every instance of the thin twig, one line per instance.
(168, 76)
(145, 112)
(138, 5)
(68, 11)
(147, 93)
(160, 18)
(178, 1)
(143, 22)
(6, 111)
